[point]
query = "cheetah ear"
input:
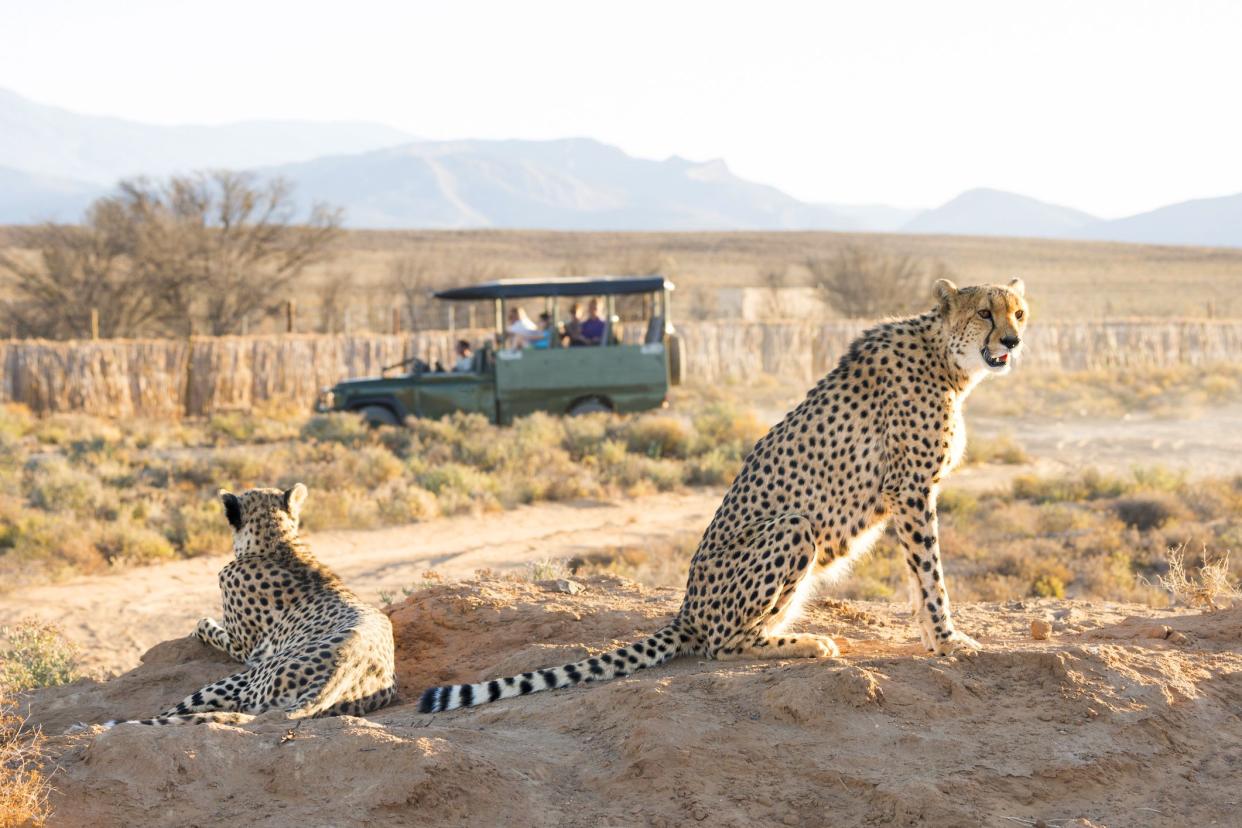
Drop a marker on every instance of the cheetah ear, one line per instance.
(232, 508)
(945, 291)
(1017, 286)
(294, 498)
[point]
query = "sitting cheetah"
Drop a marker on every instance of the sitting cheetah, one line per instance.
(310, 646)
(871, 442)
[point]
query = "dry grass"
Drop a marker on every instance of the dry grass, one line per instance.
(32, 655)
(1173, 391)
(1055, 537)
(1211, 584)
(24, 787)
(85, 494)
(1068, 280)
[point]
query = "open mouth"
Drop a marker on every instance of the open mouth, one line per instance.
(998, 361)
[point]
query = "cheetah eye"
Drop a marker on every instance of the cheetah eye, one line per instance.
(1018, 315)
(985, 313)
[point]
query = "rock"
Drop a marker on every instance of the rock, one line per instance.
(564, 585)
(1040, 629)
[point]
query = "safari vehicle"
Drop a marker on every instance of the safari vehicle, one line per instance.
(630, 369)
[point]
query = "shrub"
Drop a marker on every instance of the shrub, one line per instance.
(584, 435)
(1147, 512)
(725, 426)
(659, 436)
(1001, 449)
(1048, 586)
(126, 544)
(198, 527)
(402, 503)
(712, 469)
(36, 655)
(1206, 588)
(346, 428)
(1090, 485)
(57, 486)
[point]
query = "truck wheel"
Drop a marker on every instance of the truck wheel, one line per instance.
(591, 405)
(378, 415)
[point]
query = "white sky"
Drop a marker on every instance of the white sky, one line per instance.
(1110, 106)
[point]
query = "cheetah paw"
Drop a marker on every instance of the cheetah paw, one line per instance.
(958, 643)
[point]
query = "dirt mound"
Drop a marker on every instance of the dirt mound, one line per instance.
(1125, 716)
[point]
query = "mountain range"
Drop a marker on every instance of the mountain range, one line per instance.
(54, 162)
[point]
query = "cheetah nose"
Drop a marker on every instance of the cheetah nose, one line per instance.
(1010, 341)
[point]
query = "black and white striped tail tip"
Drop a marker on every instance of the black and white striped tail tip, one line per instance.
(435, 699)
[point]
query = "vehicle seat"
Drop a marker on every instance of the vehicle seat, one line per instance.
(484, 358)
(655, 331)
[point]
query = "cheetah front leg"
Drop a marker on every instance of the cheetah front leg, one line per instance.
(212, 634)
(918, 530)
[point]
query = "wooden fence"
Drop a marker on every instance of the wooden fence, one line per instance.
(202, 375)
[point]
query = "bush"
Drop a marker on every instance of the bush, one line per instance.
(56, 486)
(1147, 512)
(726, 427)
(199, 527)
(125, 544)
(1001, 449)
(659, 436)
(34, 655)
(347, 428)
(1090, 485)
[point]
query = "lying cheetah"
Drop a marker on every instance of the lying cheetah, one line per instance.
(310, 646)
(870, 443)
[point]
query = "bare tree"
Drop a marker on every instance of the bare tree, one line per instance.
(863, 283)
(226, 244)
(414, 277)
(199, 252)
(71, 270)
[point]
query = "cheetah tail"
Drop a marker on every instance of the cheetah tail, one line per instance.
(216, 716)
(640, 655)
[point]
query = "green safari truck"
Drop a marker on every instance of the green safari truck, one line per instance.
(623, 367)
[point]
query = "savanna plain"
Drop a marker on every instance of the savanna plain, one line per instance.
(1086, 542)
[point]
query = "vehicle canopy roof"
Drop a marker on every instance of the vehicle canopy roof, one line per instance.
(569, 286)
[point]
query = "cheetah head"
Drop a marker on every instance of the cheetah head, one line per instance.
(984, 324)
(260, 517)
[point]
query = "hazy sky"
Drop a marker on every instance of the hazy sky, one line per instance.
(1111, 107)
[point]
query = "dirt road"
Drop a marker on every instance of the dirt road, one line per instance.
(115, 618)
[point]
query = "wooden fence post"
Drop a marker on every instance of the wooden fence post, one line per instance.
(94, 323)
(396, 321)
(290, 310)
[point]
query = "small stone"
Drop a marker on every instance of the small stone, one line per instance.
(564, 585)
(1040, 629)
(791, 819)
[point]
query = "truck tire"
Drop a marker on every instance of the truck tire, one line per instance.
(674, 359)
(378, 415)
(591, 405)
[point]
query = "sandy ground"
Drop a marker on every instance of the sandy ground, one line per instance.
(1125, 717)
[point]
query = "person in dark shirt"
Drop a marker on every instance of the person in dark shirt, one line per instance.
(593, 327)
(573, 326)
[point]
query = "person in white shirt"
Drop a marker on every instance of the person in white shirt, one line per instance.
(522, 330)
(465, 358)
